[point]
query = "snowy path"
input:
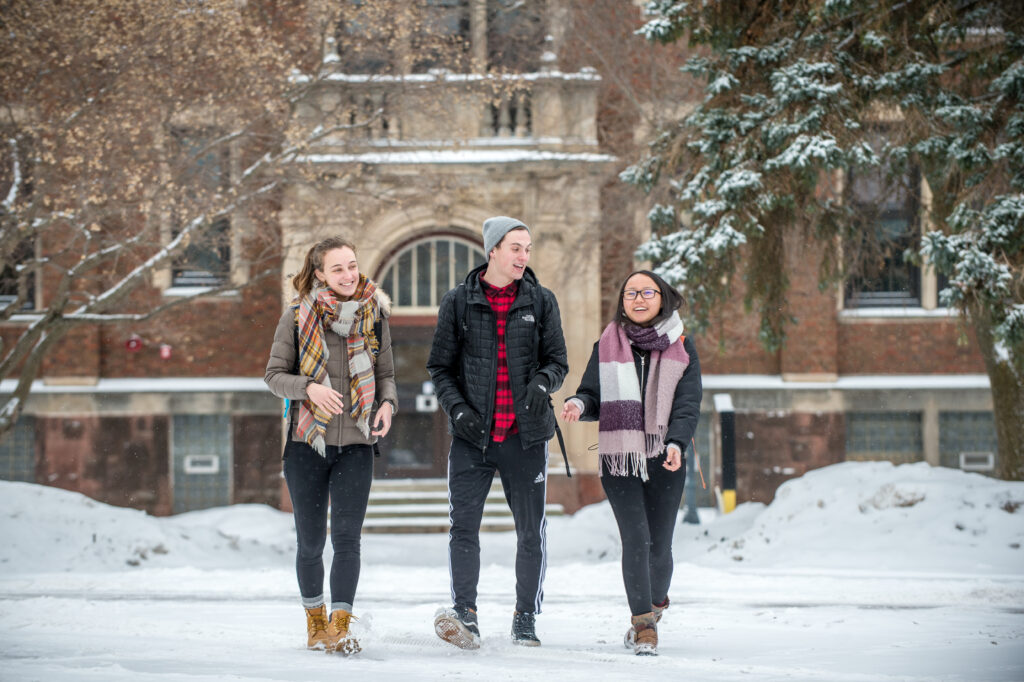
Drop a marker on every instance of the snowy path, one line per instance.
(746, 625)
(859, 572)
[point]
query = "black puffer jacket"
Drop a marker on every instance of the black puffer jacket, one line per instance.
(464, 366)
(682, 420)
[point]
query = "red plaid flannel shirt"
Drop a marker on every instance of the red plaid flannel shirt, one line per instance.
(504, 411)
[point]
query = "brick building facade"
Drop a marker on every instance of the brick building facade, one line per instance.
(173, 415)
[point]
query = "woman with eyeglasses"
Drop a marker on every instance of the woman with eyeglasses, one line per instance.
(643, 387)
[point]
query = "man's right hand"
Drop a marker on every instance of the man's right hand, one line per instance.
(467, 423)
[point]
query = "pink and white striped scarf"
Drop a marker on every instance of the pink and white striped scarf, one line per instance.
(628, 434)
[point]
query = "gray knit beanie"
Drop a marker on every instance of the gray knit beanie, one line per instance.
(497, 227)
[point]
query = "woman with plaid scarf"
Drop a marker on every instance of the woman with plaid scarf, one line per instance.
(643, 387)
(331, 361)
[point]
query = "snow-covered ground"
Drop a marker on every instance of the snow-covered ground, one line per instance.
(856, 572)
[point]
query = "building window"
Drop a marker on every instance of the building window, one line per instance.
(15, 284)
(18, 451)
(515, 34)
(885, 209)
(887, 436)
(968, 440)
(201, 457)
(15, 189)
(419, 276)
(365, 39)
(206, 261)
(442, 40)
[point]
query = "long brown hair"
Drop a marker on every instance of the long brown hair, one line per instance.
(304, 281)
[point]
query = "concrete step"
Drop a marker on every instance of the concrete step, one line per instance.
(421, 506)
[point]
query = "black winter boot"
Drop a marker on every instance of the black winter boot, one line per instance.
(524, 630)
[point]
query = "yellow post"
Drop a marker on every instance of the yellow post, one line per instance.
(728, 501)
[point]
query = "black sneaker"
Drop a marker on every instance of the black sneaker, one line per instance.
(458, 626)
(523, 629)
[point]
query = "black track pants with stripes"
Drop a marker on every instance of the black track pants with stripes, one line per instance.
(524, 475)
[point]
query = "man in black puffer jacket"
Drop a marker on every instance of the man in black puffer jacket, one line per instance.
(498, 353)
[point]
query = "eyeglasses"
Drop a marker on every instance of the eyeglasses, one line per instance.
(631, 294)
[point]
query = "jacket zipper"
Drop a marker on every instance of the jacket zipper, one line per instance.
(642, 374)
(643, 364)
(494, 389)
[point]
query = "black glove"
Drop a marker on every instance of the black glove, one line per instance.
(466, 423)
(537, 394)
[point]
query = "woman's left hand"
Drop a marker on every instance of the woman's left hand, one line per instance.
(382, 424)
(673, 458)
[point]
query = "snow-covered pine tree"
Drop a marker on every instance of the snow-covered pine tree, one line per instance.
(793, 91)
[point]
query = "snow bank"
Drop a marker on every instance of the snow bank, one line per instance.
(873, 516)
(858, 515)
(48, 529)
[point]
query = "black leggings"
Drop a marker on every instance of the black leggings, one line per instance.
(344, 475)
(645, 512)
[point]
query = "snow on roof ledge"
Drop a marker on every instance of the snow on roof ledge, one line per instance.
(712, 382)
(151, 385)
(458, 156)
(853, 382)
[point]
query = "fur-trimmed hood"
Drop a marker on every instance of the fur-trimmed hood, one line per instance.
(383, 301)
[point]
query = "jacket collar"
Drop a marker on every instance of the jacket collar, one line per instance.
(475, 290)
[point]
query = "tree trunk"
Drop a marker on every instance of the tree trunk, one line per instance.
(1007, 381)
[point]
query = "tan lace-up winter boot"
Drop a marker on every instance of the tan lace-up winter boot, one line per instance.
(630, 639)
(316, 628)
(343, 641)
(646, 629)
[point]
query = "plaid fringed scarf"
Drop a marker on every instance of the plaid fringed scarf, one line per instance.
(628, 434)
(353, 320)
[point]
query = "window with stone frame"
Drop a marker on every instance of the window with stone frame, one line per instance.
(418, 276)
(365, 38)
(18, 451)
(16, 283)
(442, 38)
(885, 203)
(886, 436)
(968, 439)
(515, 34)
(201, 452)
(206, 261)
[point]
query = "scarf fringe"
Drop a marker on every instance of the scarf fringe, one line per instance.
(626, 464)
(319, 445)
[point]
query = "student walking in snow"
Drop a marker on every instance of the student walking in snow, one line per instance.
(643, 387)
(331, 360)
(498, 352)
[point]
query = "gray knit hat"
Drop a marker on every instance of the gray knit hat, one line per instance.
(497, 227)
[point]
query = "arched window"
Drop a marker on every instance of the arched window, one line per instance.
(419, 275)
